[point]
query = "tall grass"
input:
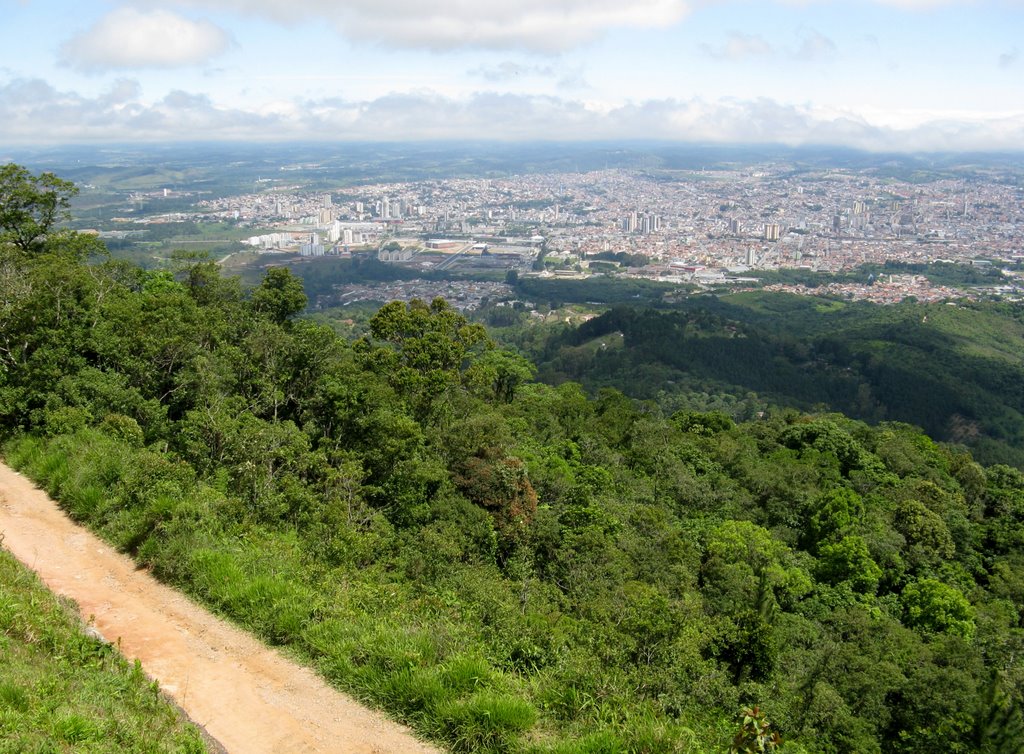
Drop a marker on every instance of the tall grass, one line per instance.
(61, 690)
(486, 722)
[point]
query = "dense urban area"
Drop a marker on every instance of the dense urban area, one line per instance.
(704, 227)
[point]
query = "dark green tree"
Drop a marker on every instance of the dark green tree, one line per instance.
(280, 296)
(999, 723)
(425, 349)
(30, 206)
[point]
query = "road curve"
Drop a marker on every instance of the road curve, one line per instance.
(249, 698)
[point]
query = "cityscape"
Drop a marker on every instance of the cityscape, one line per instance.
(704, 227)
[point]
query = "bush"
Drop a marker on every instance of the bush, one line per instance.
(123, 428)
(486, 722)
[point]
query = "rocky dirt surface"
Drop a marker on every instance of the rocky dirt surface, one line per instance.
(249, 698)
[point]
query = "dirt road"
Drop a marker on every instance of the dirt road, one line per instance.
(249, 698)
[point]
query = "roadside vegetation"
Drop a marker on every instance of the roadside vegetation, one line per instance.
(506, 565)
(62, 690)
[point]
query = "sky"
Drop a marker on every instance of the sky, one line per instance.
(880, 75)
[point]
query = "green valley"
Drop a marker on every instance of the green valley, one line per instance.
(954, 369)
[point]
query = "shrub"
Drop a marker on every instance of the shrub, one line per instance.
(486, 722)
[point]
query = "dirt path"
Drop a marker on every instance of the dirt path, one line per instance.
(248, 698)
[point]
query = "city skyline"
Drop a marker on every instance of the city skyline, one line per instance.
(881, 75)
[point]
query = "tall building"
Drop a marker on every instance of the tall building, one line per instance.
(772, 231)
(312, 248)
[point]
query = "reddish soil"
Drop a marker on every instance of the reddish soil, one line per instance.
(249, 698)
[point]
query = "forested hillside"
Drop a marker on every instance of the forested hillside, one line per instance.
(509, 566)
(957, 370)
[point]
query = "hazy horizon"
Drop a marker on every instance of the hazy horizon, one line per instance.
(900, 76)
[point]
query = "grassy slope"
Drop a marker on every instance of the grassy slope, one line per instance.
(61, 690)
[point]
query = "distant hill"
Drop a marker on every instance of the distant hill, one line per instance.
(957, 371)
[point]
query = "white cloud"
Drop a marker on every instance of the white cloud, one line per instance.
(511, 71)
(129, 38)
(33, 112)
(812, 46)
(573, 80)
(548, 26)
(739, 46)
(815, 46)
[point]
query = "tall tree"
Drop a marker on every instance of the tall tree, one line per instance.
(30, 205)
(280, 296)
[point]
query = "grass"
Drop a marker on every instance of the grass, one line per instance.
(64, 691)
